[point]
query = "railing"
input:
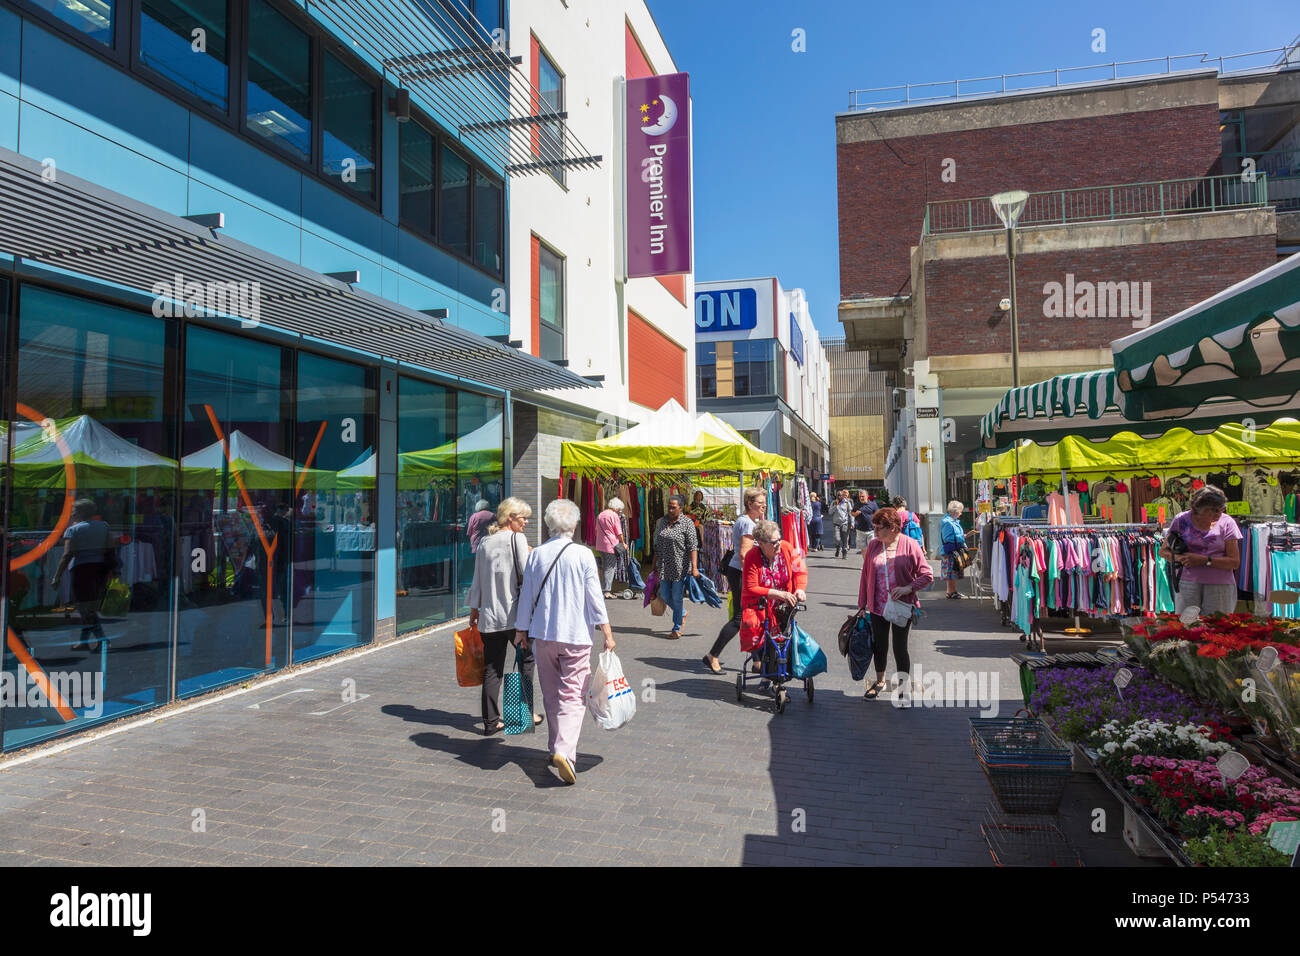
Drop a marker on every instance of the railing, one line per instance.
(1021, 82)
(1283, 169)
(1102, 203)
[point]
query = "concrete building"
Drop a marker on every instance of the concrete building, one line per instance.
(760, 366)
(1141, 189)
(569, 301)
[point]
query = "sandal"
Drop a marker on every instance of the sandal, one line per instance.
(874, 690)
(609, 596)
(494, 730)
(675, 636)
(714, 666)
(537, 719)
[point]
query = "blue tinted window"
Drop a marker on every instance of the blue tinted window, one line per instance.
(279, 79)
(187, 43)
(348, 115)
(94, 18)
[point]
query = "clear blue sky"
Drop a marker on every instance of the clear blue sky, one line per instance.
(765, 115)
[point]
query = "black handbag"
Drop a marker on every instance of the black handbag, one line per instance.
(846, 633)
(1174, 541)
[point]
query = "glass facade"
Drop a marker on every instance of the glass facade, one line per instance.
(550, 135)
(93, 475)
(453, 200)
(758, 368)
(551, 305)
(94, 18)
(188, 508)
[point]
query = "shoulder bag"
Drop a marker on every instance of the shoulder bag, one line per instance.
(896, 612)
(519, 572)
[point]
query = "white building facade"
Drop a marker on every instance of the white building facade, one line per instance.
(760, 366)
(568, 298)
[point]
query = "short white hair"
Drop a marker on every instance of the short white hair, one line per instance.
(481, 505)
(561, 517)
(955, 507)
(616, 504)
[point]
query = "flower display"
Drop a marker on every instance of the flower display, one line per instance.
(1222, 847)
(1117, 743)
(1081, 700)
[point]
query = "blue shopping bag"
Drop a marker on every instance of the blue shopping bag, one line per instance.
(517, 699)
(806, 656)
(860, 650)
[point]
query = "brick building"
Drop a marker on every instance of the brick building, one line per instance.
(1142, 203)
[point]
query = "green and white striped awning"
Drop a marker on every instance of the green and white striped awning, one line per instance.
(1242, 344)
(1038, 409)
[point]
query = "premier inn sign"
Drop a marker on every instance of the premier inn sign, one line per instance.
(658, 136)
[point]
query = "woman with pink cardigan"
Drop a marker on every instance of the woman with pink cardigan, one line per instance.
(894, 566)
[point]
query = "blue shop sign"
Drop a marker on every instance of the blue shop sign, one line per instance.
(796, 340)
(726, 310)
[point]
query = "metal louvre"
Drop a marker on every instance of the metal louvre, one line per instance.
(71, 224)
(443, 54)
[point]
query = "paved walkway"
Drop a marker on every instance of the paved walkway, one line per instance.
(289, 774)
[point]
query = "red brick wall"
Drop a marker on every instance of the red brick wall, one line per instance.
(961, 295)
(884, 185)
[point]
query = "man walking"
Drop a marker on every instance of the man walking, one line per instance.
(842, 522)
(862, 516)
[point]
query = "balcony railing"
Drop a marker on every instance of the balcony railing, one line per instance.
(1172, 197)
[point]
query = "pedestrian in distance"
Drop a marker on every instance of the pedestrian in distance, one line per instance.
(610, 543)
(954, 540)
(90, 551)
(815, 525)
(862, 515)
(773, 572)
(842, 523)
(677, 554)
(911, 523)
(742, 541)
(894, 567)
(494, 603)
(560, 606)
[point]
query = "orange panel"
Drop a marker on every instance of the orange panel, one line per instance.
(676, 285)
(656, 365)
(535, 346)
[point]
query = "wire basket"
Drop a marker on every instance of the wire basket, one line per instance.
(1028, 841)
(1025, 764)
(1018, 741)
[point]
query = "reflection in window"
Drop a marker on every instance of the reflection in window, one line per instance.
(551, 306)
(550, 136)
(279, 80)
(487, 223)
(348, 119)
(427, 513)
(236, 512)
(479, 479)
(415, 151)
(334, 530)
(186, 43)
(453, 199)
(92, 17)
(88, 595)
(706, 369)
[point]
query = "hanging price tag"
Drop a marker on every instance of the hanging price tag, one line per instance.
(1232, 765)
(1122, 678)
(1267, 659)
(1161, 514)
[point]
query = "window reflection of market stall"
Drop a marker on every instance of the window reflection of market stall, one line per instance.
(674, 452)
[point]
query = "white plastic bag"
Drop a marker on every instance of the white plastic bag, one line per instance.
(609, 696)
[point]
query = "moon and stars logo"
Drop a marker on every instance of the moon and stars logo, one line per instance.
(666, 111)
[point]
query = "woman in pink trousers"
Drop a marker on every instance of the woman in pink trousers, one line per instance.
(560, 606)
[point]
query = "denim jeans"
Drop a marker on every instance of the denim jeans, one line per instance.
(673, 593)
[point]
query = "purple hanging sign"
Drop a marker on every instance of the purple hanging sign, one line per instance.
(658, 117)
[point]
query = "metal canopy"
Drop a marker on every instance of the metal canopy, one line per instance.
(444, 55)
(75, 225)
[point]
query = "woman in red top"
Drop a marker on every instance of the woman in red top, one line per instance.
(774, 572)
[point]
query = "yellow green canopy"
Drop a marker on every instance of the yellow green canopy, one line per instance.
(1127, 452)
(672, 440)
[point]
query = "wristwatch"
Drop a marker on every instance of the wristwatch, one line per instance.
(1209, 561)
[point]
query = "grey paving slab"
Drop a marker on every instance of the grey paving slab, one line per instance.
(404, 777)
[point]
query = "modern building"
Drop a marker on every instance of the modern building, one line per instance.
(257, 290)
(572, 302)
(1148, 192)
(760, 367)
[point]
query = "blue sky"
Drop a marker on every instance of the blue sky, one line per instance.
(765, 115)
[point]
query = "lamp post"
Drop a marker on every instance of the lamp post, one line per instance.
(1008, 206)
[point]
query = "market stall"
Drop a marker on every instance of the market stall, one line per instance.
(671, 452)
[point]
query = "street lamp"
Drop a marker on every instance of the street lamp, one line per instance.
(1009, 206)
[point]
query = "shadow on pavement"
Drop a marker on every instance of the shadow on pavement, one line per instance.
(435, 717)
(493, 753)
